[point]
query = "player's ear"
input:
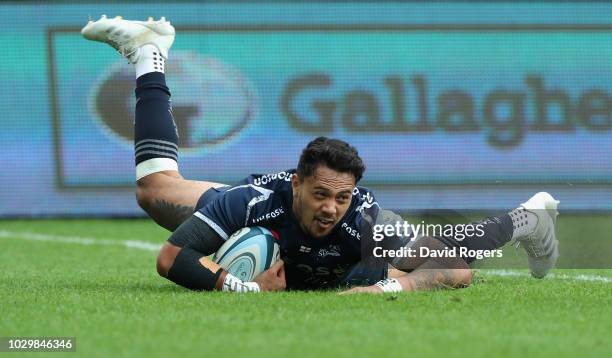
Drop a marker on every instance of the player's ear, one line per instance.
(295, 182)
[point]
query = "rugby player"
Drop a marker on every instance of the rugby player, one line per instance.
(323, 220)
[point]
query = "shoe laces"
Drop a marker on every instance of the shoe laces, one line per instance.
(127, 55)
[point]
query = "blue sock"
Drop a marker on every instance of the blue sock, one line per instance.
(155, 133)
(496, 232)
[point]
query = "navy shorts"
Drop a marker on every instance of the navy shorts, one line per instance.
(209, 195)
(366, 272)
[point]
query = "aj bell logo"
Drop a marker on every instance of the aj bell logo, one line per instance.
(211, 101)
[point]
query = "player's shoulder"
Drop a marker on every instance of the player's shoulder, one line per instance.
(276, 186)
(363, 197)
(265, 197)
(258, 199)
(362, 210)
(363, 201)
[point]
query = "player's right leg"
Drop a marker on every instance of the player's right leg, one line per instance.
(161, 191)
(538, 217)
(531, 225)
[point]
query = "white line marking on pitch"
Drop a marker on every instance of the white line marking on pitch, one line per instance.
(581, 277)
(148, 246)
(132, 244)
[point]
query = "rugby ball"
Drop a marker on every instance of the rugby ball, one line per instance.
(248, 252)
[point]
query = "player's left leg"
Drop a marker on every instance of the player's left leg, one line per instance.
(161, 190)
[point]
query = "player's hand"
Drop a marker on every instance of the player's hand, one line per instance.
(273, 279)
(362, 289)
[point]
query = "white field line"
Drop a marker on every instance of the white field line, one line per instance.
(147, 246)
(581, 277)
(132, 244)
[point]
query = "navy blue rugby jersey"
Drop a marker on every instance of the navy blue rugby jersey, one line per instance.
(266, 200)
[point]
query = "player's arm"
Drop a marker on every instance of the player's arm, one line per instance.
(183, 260)
(431, 275)
(205, 232)
(415, 273)
(427, 273)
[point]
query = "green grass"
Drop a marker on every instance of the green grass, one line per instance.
(112, 300)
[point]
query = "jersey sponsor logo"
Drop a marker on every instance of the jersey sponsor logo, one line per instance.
(270, 215)
(265, 195)
(267, 178)
(351, 231)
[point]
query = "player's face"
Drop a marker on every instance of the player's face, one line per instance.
(320, 201)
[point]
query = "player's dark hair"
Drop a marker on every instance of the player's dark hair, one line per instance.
(333, 153)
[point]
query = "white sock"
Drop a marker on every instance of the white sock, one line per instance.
(150, 60)
(523, 222)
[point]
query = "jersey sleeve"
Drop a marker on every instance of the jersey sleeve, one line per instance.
(371, 219)
(198, 235)
(367, 208)
(230, 211)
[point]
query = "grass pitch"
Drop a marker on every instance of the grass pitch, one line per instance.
(55, 281)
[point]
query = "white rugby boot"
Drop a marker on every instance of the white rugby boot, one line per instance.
(541, 244)
(127, 36)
